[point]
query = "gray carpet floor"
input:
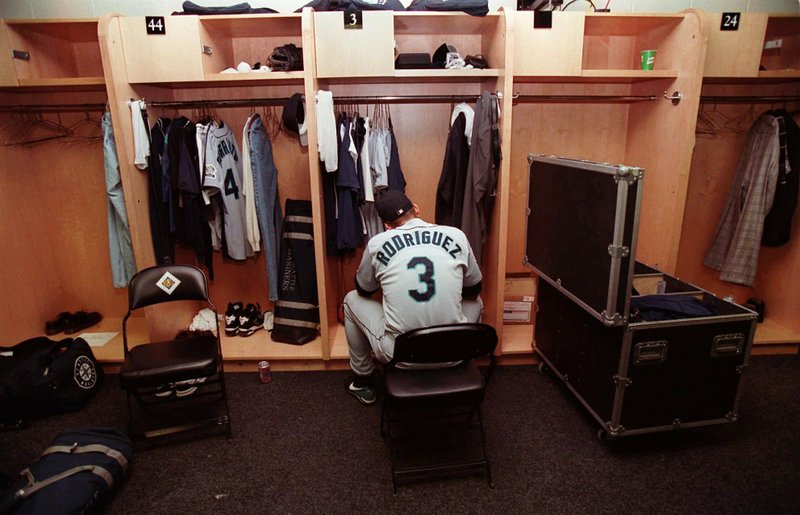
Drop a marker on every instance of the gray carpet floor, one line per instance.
(302, 445)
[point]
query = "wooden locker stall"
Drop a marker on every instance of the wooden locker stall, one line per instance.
(748, 71)
(421, 125)
(53, 205)
(596, 103)
(192, 84)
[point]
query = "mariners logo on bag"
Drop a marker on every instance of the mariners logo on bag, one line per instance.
(168, 283)
(85, 373)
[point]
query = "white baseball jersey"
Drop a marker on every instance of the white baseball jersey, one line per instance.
(223, 175)
(422, 269)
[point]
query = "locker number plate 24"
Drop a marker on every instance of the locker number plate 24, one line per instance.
(730, 21)
(155, 25)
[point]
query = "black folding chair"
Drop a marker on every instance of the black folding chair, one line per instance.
(431, 408)
(152, 372)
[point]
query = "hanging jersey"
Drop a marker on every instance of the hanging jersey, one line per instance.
(223, 176)
(422, 269)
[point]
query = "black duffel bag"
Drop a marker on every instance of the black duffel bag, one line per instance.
(41, 377)
(73, 475)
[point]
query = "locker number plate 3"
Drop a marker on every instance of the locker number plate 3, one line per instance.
(353, 20)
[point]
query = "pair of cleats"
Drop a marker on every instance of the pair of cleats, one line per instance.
(243, 320)
(181, 388)
(69, 323)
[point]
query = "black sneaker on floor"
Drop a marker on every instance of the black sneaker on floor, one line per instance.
(251, 320)
(365, 394)
(232, 315)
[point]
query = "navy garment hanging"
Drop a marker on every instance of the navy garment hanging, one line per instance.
(450, 192)
(396, 179)
(163, 246)
(349, 231)
(778, 222)
(359, 132)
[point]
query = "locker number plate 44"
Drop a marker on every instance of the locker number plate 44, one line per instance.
(155, 25)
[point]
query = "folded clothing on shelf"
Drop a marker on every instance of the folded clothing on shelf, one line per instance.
(412, 61)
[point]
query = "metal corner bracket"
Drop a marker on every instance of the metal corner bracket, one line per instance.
(624, 382)
(629, 174)
(618, 251)
(612, 320)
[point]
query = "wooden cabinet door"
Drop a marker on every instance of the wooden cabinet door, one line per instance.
(734, 53)
(555, 51)
(8, 76)
(364, 52)
(172, 56)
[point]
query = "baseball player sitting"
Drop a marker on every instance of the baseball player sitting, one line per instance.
(428, 276)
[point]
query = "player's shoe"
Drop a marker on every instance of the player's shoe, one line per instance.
(365, 394)
(251, 320)
(232, 315)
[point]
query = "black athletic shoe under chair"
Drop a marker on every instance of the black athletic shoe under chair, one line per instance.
(432, 417)
(151, 367)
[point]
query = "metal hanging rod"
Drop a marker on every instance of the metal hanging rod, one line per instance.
(53, 108)
(742, 99)
(386, 99)
(585, 99)
(409, 99)
(189, 104)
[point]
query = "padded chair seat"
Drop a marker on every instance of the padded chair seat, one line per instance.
(151, 364)
(458, 385)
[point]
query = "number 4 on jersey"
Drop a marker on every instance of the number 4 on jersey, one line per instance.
(230, 184)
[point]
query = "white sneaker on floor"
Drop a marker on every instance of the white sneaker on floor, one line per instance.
(184, 388)
(164, 390)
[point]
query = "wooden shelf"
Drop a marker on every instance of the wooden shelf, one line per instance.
(771, 333)
(260, 346)
(602, 77)
(239, 78)
(257, 347)
(627, 75)
(439, 75)
(517, 339)
(790, 75)
(633, 24)
(254, 25)
(339, 348)
(443, 23)
(112, 352)
(66, 82)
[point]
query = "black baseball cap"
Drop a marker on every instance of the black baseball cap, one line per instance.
(392, 204)
(294, 117)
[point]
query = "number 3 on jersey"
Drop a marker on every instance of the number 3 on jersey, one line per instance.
(230, 184)
(425, 277)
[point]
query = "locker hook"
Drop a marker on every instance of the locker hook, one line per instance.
(676, 97)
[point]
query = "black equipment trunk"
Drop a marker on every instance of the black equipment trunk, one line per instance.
(633, 375)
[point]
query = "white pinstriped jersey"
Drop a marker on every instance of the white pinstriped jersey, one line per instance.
(422, 269)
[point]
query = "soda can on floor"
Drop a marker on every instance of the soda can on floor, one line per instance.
(264, 373)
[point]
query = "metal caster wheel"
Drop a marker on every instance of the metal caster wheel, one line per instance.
(543, 368)
(605, 437)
